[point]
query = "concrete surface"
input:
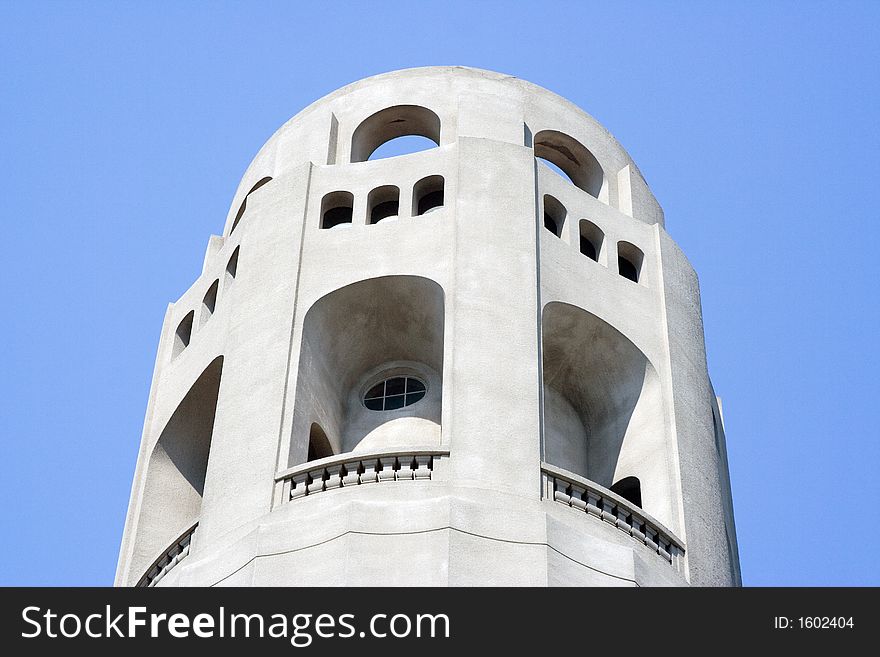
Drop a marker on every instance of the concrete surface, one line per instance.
(531, 352)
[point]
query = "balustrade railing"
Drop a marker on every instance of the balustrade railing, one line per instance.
(595, 500)
(171, 557)
(345, 470)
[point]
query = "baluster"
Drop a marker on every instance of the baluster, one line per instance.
(560, 494)
(334, 477)
(370, 475)
(423, 467)
(651, 538)
(352, 474)
(637, 528)
(405, 473)
(577, 497)
(387, 471)
(298, 485)
(608, 511)
(316, 481)
(664, 549)
(593, 501)
(621, 522)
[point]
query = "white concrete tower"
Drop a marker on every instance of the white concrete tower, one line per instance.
(452, 367)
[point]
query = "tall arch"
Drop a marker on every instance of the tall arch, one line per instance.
(390, 123)
(354, 339)
(176, 469)
(603, 410)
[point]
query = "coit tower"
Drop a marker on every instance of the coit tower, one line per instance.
(481, 363)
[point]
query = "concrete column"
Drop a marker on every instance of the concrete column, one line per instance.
(239, 481)
(495, 432)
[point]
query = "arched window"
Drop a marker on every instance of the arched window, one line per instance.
(232, 266)
(336, 209)
(554, 215)
(390, 123)
(243, 206)
(574, 160)
(630, 489)
(591, 240)
(209, 302)
(183, 334)
(383, 203)
(629, 261)
(427, 195)
(319, 445)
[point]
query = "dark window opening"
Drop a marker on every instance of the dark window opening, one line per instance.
(630, 489)
(588, 249)
(336, 216)
(627, 269)
(383, 211)
(209, 303)
(554, 215)
(394, 393)
(428, 195)
(183, 334)
(336, 209)
(629, 261)
(591, 241)
(232, 266)
(430, 201)
(384, 203)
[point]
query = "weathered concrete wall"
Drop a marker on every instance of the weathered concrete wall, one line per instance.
(530, 352)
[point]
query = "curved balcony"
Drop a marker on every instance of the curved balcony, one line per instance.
(588, 497)
(170, 558)
(344, 470)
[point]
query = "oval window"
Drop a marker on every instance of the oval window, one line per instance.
(393, 393)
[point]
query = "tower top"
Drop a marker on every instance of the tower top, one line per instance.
(466, 102)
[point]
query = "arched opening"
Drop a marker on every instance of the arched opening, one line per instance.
(629, 261)
(175, 472)
(554, 215)
(559, 172)
(232, 267)
(630, 489)
(572, 158)
(243, 206)
(370, 367)
(383, 203)
(209, 302)
(183, 334)
(591, 240)
(391, 123)
(336, 209)
(319, 446)
(428, 195)
(405, 145)
(603, 411)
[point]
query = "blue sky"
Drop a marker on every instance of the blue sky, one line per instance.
(126, 126)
